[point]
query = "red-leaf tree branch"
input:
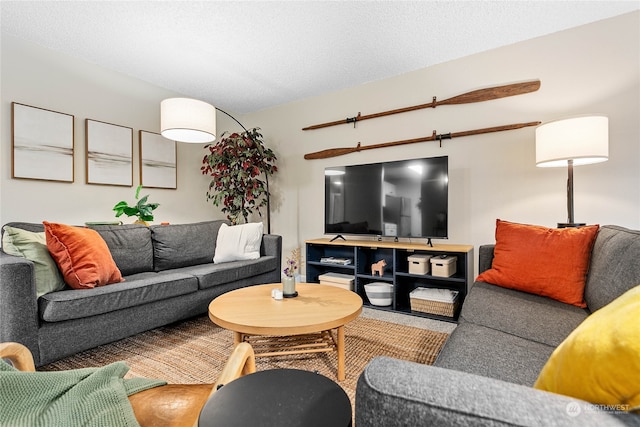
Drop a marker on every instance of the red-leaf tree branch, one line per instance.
(239, 165)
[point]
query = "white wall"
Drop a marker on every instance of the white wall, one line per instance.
(589, 69)
(43, 78)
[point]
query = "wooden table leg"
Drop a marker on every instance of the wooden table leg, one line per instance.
(341, 358)
(237, 338)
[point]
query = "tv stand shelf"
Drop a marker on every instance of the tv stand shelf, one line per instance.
(363, 253)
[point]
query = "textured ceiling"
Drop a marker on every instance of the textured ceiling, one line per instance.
(245, 56)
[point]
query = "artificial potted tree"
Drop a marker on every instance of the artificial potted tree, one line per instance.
(239, 165)
(142, 210)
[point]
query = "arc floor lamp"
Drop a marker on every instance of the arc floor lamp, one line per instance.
(194, 121)
(572, 142)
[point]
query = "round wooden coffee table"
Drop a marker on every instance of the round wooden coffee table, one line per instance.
(303, 324)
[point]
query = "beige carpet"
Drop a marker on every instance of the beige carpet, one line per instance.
(196, 350)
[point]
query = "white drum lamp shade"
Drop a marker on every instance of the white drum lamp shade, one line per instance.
(576, 141)
(584, 140)
(187, 120)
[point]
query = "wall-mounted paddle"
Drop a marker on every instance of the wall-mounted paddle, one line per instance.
(478, 95)
(335, 152)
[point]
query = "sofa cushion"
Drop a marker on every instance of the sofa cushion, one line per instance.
(130, 246)
(614, 265)
(82, 256)
(484, 351)
(521, 314)
(138, 289)
(182, 245)
(210, 275)
(545, 261)
(238, 242)
(33, 246)
(600, 361)
(29, 226)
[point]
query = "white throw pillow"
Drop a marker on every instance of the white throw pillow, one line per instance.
(238, 242)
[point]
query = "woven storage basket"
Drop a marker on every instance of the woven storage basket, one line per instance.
(434, 307)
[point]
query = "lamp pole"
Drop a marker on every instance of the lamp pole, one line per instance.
(570, 191)
(570, 219)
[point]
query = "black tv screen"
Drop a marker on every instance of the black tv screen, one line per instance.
(407, 198)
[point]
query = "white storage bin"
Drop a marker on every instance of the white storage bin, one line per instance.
(379, 293)
(443, 266)
(419, 264)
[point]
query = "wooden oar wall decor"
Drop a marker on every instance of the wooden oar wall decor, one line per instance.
(479, 95)
(334, 152)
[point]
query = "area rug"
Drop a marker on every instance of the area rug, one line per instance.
(196, 350)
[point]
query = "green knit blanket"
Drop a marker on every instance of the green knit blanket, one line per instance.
(80, 397)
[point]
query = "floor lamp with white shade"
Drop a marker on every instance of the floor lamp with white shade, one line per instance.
(194, 121)
(572, 142)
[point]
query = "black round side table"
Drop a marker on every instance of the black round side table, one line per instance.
(278, 397)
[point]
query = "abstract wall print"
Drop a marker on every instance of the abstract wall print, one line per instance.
(109, 153)
(158, 166)
(42, 144)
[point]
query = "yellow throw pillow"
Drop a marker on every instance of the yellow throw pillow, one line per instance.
(600, 360)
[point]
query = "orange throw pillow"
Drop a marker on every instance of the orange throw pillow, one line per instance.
(552, 262)
(82, 256)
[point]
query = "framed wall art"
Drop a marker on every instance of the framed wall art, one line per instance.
(109, 153)
(42, 144)
(158, 161)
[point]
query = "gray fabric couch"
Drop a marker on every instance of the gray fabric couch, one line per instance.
(169, 276)
(484, 374)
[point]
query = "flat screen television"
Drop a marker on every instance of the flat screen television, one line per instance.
(406, 198)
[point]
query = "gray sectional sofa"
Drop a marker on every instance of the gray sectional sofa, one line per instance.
(485, 372)
(169, 276)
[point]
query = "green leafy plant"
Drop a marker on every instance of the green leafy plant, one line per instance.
(239, 165)
(142, 209)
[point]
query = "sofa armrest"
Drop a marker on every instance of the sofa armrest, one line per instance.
(393, 392)
(485, 257)
(18, 303)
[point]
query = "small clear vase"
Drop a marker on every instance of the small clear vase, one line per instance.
(289, 287)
